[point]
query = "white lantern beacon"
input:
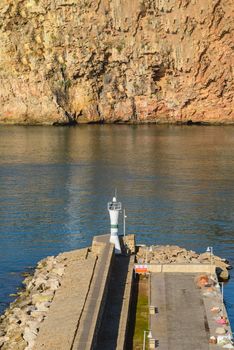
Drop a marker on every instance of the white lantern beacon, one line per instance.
(114, 208)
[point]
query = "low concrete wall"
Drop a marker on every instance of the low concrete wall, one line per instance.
(89, 324)
(125, 312)
(129, 241)
(98, 244)
(101, 302)
(182, 268)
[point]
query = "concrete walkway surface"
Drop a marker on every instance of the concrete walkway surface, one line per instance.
(180, 322)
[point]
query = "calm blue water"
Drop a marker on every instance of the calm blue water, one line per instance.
(176, 183)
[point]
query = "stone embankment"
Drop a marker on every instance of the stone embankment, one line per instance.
(171, 254)
(20, 323)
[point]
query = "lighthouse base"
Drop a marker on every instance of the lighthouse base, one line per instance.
(115, 241)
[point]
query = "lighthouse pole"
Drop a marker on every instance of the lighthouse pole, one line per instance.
(114, 208)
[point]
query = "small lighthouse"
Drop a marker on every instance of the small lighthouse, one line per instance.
(114, 208)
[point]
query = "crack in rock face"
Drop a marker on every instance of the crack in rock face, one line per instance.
(110, 61)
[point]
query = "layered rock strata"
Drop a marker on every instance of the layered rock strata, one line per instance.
(129, 61)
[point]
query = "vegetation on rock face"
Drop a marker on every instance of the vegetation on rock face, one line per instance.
(128, 61)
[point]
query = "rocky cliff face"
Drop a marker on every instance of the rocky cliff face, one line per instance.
(116, 60)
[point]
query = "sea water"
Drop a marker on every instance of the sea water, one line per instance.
(175, 182)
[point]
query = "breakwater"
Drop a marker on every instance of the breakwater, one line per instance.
(168, 256)
(71, 293)
(63, 304)
(20, 323)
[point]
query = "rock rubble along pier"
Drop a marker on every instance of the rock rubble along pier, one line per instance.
(172, 258)
(81, 300)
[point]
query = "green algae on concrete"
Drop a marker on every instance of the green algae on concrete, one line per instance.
(142, 314)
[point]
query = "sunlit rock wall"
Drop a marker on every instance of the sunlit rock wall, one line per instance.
(116, 61)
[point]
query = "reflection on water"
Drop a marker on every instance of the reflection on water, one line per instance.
(177, 184)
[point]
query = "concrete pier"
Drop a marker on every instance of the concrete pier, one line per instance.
(90, 309)
(81, 300)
